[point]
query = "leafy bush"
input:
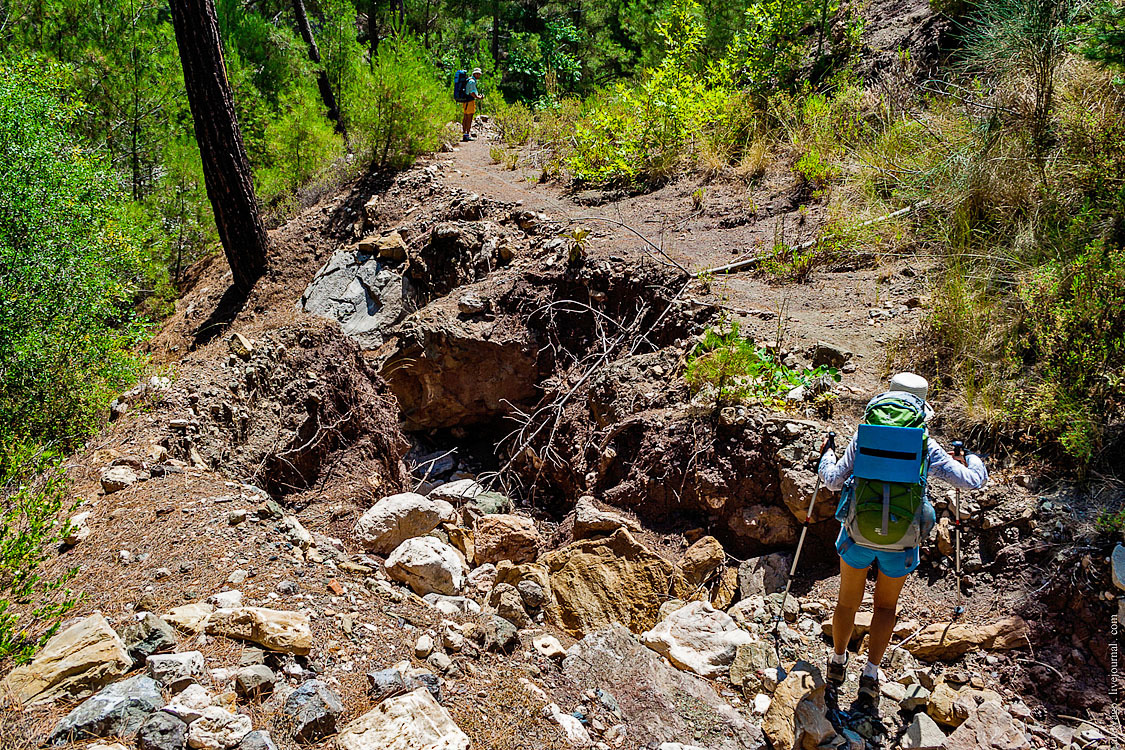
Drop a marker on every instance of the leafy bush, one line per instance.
(400, 108)
(71, 264)
(731, 369)
(33, 498)
(301, 144)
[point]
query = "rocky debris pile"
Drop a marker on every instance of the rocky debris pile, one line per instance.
(297, 397)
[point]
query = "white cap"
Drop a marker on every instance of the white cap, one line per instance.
(911, 383)
(478, 72)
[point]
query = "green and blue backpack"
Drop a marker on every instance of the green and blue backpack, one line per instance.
(883, 503)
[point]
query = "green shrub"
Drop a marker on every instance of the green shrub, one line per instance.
(731, 369)
(301, 143)
(33, 500)
(399, 109)
(71, 264)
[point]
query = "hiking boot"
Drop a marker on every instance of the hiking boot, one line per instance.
(869, 688)
(465, 138)
(836, 672)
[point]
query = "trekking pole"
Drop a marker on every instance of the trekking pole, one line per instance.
(829, 443)
(958, 451)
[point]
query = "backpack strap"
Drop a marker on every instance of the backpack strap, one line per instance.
(886, 506)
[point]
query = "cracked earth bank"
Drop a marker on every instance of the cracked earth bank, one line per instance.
(440, 483)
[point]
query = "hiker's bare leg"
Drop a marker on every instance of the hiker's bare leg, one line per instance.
(466, 124)
(887, 590)
(852, 582)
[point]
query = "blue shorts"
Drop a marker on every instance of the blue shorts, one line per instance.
(891, 563)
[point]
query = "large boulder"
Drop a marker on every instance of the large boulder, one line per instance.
(505, 537)
(427, 566)
(941, 641)
(274, 629)
(357, 289)
(414, 721)
(451, 370)
(115, 711)
(394, 519)
(989, 728)
(73, 664)
(697, 637)
(597, 582)
(797, 716)
(658, 702)
(762, 576)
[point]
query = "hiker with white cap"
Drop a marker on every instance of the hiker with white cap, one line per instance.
(472, 96)
(885, 514)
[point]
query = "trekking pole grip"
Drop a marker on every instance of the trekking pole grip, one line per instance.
(958, 448)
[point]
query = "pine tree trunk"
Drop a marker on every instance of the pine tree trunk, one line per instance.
(322, 83)
(226, 168)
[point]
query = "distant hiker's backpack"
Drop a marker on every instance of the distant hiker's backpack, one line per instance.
(460, 78)
(883, 504)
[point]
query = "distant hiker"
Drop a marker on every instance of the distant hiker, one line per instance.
(465, 91)
(884, 513)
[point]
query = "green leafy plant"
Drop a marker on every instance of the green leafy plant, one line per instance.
(72, 261)
(33, 499)
(732, 369)
(399, 108)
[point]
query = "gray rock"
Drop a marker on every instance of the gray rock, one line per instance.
(661, 701)
(385, 683)
(923, 734)
(533, 594)
(749, 660)
(916, 697)
(116, 711)
(147, 636)
(361, 293)
(176, 671)
(257, 740)
(254, 681)
(503, 635)
(313, 710)
(162, 731)
(1117, 566)
(489, 503)
(288, 588)
(763, 575)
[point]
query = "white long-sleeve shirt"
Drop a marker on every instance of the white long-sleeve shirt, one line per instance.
(943, 466)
